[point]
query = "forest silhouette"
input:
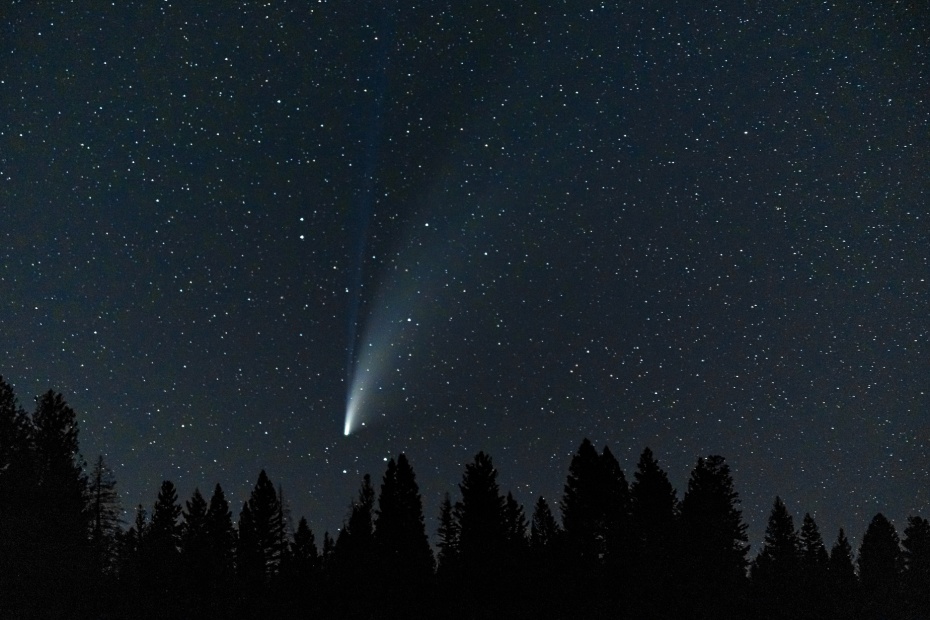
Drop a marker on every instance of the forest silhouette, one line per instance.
(609, 548)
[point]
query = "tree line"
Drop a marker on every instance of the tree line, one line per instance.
(617, 548)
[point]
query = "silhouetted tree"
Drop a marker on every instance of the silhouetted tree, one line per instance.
(544, 530)
(714, 543)
(351, 560)
(814, 570)
(448, 534)
(583, 513)
(482, 537)
(104, 512)
(401, 544)
(221, 542)
(775, 570)
(547, 565)
(304, 553)
(843, 582)
(59, 516)
(195, 547)
(916, 545)
(654, 515)
(18, 535)
(163, 541)
(618, 535)
(880, 569)
(262, 534)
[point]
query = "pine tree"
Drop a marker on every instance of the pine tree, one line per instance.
(104, 511)
(448, 534)
(60, 517)
(399, 529)
(843, 583)
(713, 542)
(774, 571)
(880, 569)
(916, 545)
(18, 536)
(544, 530)
(515, 524)
(352, 560)
(262, 532)
(654, 518)
(195, 546)
(304, 553)
(482, 532)
(163, 541)
(406, 560)
(617, 515)
(221, 541)
(482, 539)
(814, 568)
(582, 506)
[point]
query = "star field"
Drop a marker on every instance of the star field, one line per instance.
(697, 227)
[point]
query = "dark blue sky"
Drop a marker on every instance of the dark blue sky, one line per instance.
(697, 227)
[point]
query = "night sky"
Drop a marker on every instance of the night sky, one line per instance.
(696, 226)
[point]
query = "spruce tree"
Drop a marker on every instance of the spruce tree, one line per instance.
(104, 510)
(582, 507)
(713, 542)
(814, 568)
(403, 551)
(60, 517)
(448, 534)
(544, 530)
(880, 569)
(263, 534)
(654, 518)
(482, 537)
(843, 582)
(221, 541)
(18, 535)
(195, 546)
(399, 529)
(774, 572)
(164, 540)
(916, 545)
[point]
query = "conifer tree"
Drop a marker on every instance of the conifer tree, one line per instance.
(582, 506)
(654, 518)
(916, 545)
(880, 569)
(18, 536)
(774, 572)
(448, 534)
(221, 540)
(59, 516)
(617, 519)
(262, 533)
(714, 542)
(482, 531)
(814, 568)
(195, 546)
(163, 541)
(406, 560)
(352, 558)
(399, 529)
(104, 512)
(843, 582)
(304, 552)
(544, 530)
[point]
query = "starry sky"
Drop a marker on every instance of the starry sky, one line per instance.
(697, 226)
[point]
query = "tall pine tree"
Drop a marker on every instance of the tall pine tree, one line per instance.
(880, 569)
(916, 545)
(775, 570)
(713, 543)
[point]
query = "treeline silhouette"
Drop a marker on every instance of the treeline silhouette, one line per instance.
(621, 549)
